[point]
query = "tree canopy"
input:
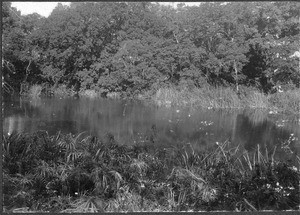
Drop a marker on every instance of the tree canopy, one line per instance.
(133, 47)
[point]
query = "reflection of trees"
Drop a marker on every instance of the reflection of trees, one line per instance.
(15, 124)
(265, 133)
(256, 116)
(16, 114)
(98, 117)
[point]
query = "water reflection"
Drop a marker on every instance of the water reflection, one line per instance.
(134, 122)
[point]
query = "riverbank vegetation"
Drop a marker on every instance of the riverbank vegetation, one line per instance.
(81, 173)
(215, 98)
(244, 54)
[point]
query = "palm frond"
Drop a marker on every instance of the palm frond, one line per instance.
(118, 177)
(184, 174)
(86, 204)
(140, 165)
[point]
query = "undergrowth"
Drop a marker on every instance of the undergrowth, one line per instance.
(80, 173)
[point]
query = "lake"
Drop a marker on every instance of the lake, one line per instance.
(135, 122)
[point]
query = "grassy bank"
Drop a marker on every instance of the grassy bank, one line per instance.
(62, 91)
(39, 90)
(67, 173)
(206, 97)
(210, 97)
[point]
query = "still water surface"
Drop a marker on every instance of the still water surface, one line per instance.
(135, 122)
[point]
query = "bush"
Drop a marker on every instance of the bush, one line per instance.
(89, 93)
(63, 91)
(35, 91)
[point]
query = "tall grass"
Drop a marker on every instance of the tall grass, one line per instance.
(287, 100)
(80, 173)
(207, 97)
(168, 96)
(256, 99)
(221, 97)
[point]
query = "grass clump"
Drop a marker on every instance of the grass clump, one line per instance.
(207, 97)
(252, 98)
(287, 100)
(168, 96)
(81, 173)
(222, 97)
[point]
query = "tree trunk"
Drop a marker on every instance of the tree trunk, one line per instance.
(236, 76)
(26, 72)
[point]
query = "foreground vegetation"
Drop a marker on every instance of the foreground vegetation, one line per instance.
(67, 173)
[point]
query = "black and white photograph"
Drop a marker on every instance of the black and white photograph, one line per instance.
(137, 106)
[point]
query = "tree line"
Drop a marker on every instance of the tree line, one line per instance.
(134, 47)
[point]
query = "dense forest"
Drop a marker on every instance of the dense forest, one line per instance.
(137, 47)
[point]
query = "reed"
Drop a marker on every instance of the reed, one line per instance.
(256, 100)
(207, 97)
(288, 101)
(221, 97)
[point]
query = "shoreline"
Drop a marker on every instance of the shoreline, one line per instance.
(287, 102)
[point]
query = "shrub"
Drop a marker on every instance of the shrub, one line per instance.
(63, 91)
(35, 91)
(89, 93)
